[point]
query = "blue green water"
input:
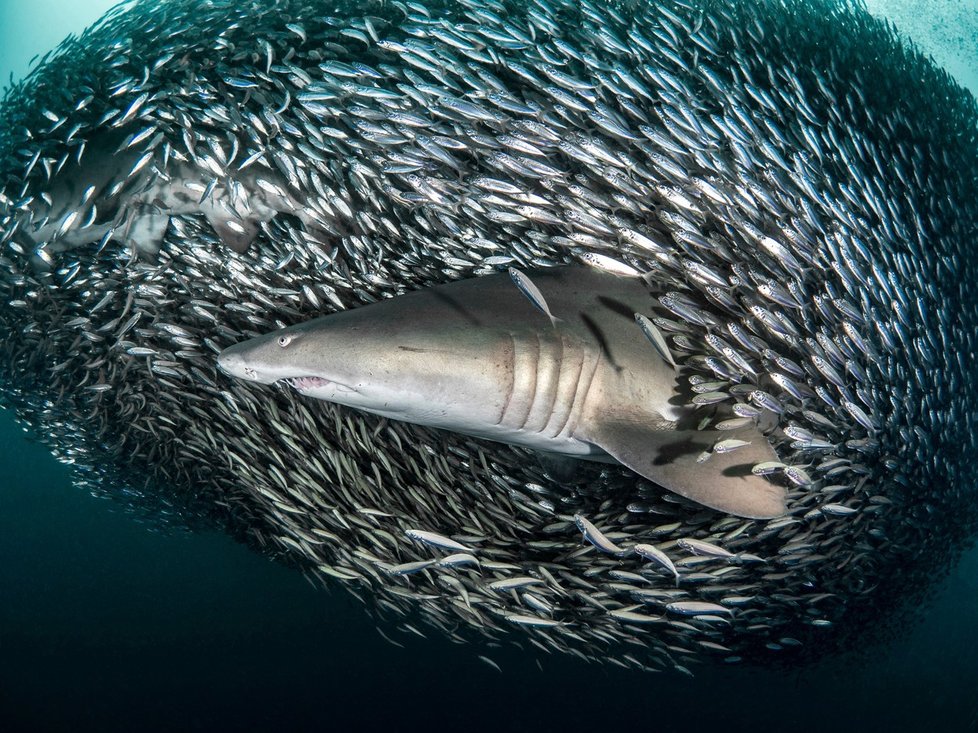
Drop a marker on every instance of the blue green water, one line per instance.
(107, 626)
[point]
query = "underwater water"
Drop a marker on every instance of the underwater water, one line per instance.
(108, 625)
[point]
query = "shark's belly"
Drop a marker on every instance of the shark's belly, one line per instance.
(561, 445)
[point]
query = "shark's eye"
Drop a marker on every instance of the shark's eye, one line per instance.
(284, 341)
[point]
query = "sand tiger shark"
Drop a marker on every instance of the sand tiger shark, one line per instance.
(111, 189)
(477, 357)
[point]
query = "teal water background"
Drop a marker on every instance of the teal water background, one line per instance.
(108, 626)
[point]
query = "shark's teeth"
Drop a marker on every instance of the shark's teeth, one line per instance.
(301, 383)
(304, 384)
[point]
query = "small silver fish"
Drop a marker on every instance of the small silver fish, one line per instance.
(650, 552)
(491, 663)
(655, 337)
(609, 264)
(631, 617)
(731, 444)
(593, 535)
(524, 620)
(436, 540)
(707, 549)
(458, 559)
(532, 293)
(697, 608)
(508, 584)
(762, 469)
(837, 510)
(409, 568)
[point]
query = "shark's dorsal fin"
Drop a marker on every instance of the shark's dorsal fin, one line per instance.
(723, 481)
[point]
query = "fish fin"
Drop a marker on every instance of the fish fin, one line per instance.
(559, 468)
(669, 458)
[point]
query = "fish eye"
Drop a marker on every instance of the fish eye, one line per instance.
(285, 340)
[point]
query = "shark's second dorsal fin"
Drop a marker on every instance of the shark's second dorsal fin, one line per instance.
(723, 481)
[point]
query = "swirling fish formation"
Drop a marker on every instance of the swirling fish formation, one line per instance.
(800, 185)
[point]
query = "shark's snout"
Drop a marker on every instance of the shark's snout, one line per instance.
(233, 363)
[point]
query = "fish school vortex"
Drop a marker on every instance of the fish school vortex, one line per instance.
(796, 188)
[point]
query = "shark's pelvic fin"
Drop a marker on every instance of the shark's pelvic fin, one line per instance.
(669, 458)
(559, 468)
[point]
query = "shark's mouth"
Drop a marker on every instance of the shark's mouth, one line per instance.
(304, 384)
(301, 383)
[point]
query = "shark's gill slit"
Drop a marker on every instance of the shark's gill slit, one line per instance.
(508, 362)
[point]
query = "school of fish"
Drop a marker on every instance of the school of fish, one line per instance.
(801, 186)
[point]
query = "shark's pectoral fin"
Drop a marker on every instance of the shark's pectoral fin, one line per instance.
(674, 460)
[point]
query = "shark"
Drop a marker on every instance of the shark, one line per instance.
(479, 357)
(113, 189)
